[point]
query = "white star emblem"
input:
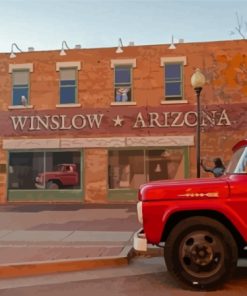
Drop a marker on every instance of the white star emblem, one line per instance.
(117, 121)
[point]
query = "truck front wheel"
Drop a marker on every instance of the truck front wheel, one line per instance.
(52, 185)
(200, 253)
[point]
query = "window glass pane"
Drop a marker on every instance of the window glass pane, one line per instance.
(67, 95)
(23, 169)
(20, 77)
(172, 72)
(126, 169)
(17, 93)
(173, 89)
(123, 94)
(67, 86)
(68, 74)
(122, 75)
(62, 170)
(130, 169)
(165, 164)
(44, 170)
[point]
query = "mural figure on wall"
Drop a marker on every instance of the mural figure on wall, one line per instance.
(122, 94)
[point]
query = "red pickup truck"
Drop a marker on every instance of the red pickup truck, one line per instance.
(65, 175)
(200, 223)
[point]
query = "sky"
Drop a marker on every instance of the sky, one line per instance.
(45, 24)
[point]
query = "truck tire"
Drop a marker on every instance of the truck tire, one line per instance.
(200, 253)
(52, 185)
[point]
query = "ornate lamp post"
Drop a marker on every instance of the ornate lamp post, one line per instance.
(197, 82)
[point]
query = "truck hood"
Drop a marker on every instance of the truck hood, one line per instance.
(51, 174)
(205, 188)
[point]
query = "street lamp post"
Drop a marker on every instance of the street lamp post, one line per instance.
(197, 82)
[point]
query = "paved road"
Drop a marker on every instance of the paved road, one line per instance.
(144, 276)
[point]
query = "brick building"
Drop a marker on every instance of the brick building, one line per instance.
(121, 118)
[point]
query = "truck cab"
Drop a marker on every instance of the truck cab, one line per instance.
(201, 223)
(63, 176)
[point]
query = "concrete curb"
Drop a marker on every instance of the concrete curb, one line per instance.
(33, 268)
(152, 251)
(47, 267)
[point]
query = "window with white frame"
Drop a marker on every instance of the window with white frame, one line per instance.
(173, 77)
(173, 81)
(20, 86)
(68, 85)
(123, 83)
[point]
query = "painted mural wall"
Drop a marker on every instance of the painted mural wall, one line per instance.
(97, 115)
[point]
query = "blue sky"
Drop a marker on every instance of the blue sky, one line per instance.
(44, 24)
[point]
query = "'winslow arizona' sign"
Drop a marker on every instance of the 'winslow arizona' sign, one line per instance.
(148, 120)
(121, 119)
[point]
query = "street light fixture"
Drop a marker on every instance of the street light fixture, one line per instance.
(64, 44)
(197, 81)
(12, 54)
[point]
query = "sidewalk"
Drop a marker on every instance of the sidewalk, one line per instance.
(39, 239)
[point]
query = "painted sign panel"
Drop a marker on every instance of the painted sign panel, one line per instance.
(121, 119)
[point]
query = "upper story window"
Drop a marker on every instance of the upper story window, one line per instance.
(173, 78)
(123, 82)
(68, 85)
(20, 74)
(20, 87)
(173, 81)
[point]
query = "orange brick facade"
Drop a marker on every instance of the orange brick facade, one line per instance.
(224, 65)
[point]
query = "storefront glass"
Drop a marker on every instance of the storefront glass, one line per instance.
(128, 169)
(44, 170)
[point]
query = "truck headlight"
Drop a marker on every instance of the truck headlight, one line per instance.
(139, 212)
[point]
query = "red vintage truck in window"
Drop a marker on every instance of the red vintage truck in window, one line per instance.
(201, 223)
(64, 175)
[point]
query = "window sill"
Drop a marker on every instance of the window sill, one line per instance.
(123, 103)
(171, 102)
(68, 105)
(20, 107)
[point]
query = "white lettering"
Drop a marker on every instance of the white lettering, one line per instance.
(154, 119)
(62, 126)
(54, 122)
(139, 121)
(81, 118)
(224, 120)
(43, 121)
(19, 121)
(209, 118)
(32, 128)
(166, 114)
(95, 118)
(186, 118)
(178, 117)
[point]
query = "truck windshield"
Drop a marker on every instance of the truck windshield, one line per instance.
(238, 163)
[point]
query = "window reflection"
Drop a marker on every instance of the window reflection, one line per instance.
(44, 170)
(128, 169)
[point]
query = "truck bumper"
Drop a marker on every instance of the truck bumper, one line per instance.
(140, 241)
(39, 186)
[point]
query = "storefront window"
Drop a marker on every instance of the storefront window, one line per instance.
(129, 169)
(44, 170)
(164, 164)
(126, 169)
